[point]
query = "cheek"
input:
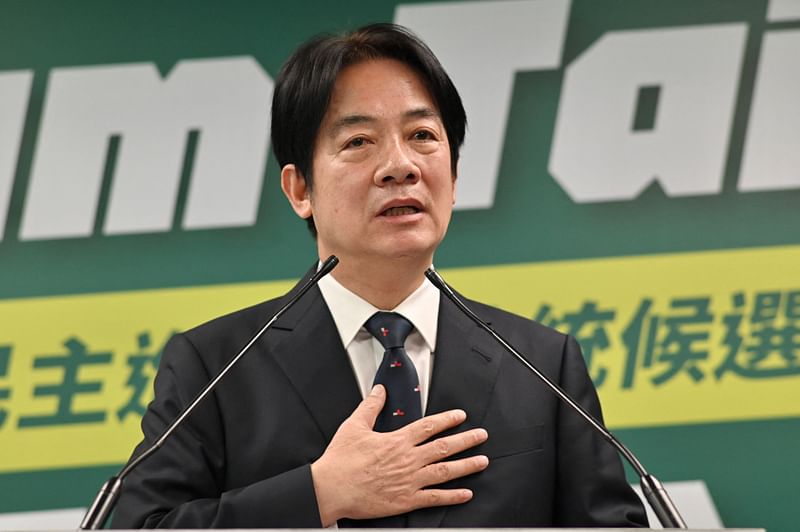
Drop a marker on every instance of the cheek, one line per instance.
(447, 190)
(331, 202)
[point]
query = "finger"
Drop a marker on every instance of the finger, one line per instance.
(429, 426)
(441, 448)
(439, 497)
(367, 411)
(441, 472)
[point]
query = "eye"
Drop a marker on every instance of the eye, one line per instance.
(356, 142)
(423, 134)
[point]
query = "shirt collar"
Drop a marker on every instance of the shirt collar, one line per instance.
(350, 311)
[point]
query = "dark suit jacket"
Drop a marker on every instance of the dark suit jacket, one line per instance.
(243, 459)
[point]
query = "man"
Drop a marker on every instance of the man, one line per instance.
(367, 129)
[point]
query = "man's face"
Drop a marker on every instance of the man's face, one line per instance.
(382, 181)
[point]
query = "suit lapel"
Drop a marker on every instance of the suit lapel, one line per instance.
(465, 369)
(309, 350)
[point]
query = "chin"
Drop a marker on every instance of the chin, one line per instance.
(412, 250)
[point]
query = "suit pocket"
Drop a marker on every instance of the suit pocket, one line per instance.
(511, 441)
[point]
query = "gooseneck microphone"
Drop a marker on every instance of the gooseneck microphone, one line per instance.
(653, 490)
(106, 498)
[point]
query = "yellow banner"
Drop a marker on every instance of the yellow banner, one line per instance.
(695, 337)
(79, 369)
(669, 339)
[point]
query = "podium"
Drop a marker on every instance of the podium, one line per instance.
(478, 530)
(455, 530)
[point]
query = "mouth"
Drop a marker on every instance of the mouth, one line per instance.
(400, 210)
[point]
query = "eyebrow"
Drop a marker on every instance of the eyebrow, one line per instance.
(422, 112)
(352, 120)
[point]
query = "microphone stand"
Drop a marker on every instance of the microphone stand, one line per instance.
(106, 498)
(653, 490)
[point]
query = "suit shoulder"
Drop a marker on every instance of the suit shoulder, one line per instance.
(521, 331)
(509, 320)
(242, 322)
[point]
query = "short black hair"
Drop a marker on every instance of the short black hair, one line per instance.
(304, 85)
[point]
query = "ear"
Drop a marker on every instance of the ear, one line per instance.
(454, 188)
(296, 191)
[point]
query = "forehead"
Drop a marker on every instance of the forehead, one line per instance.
(379, 89)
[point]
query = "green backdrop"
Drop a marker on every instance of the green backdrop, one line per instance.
(749, 462)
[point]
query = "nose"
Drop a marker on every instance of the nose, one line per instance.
(397, 165)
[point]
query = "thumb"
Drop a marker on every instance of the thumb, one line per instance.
(367, 412)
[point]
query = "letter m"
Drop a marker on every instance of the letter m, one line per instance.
(149, 121)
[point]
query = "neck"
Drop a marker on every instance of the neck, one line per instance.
(384, 283)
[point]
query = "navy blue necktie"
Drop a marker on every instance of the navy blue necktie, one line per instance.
(396, 372)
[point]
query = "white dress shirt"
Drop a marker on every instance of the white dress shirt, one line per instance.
(350, 312)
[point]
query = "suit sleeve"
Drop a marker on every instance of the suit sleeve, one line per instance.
(591, 487)
(183, 484)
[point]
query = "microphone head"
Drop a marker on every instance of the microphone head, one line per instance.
(436, 279)
(329, 264)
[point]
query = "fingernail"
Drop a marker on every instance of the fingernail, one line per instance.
(483, 460)
(376, 390)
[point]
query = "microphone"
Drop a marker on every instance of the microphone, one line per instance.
(106, 498)
(653, 490)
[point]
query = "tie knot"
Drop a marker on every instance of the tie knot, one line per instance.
(391, 329)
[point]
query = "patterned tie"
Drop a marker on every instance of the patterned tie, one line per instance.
(396, 372)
